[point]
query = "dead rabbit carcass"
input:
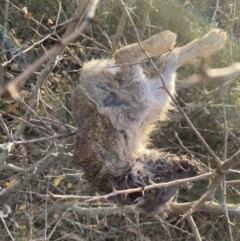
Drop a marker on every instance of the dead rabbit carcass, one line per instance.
(116, 106)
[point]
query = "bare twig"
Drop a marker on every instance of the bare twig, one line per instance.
(5, 128)
(120, 27)
(231, 162)
(74, 19)
(22, 11)
(94, 41)
(177, 208)
(224, 188)
(54, 228)
(27, 122)
(6, 227)
(5, 25)
(215, 12)
(222, 126)
(182, 145)
(2, 55)
(198, 204)
(148, 5)
(59, 10)
(225, 146)
(173, 226)
(26, 50)
(49, 138)
(29, 109)
(209, 207)
(194, 228)
(139, 189)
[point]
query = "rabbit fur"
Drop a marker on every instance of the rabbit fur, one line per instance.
(116, 106)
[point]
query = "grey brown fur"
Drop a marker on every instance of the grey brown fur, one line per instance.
(116, 107)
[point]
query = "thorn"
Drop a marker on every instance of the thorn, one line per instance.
(114, 190)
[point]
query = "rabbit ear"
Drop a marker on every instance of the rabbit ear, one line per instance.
(155, 46)
(200, 48)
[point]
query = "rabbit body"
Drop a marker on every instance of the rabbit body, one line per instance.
(116, 106)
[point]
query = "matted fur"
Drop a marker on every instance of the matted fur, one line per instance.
(115, 108)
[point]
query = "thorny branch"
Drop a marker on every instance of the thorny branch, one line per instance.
(52, 55)
(177, 208)
(53, 52)
(139, 189)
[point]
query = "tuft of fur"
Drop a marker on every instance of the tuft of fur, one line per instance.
(115, 106)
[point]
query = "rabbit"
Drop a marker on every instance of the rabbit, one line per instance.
(116, 106)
